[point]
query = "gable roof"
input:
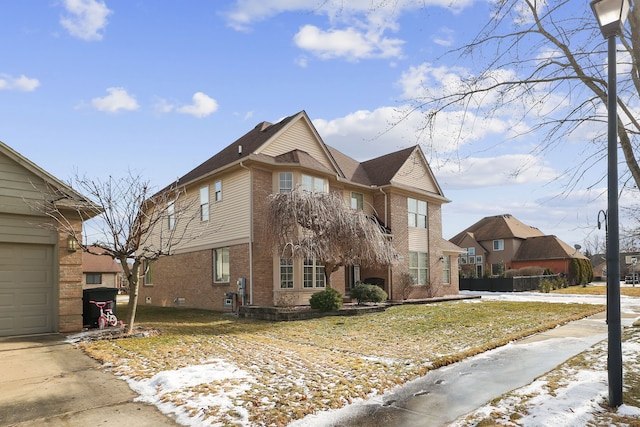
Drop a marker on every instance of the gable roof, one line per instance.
(379, 171)
(67, 196)
(545, 247)
(497, 227)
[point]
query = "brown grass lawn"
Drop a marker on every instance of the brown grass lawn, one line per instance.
(598, 290)
(302, 367)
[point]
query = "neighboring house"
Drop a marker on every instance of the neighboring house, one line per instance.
(499, 243)
(41, 280)
(100, 270)
(231, 190)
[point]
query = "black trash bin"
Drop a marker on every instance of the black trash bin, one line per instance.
(91, 312)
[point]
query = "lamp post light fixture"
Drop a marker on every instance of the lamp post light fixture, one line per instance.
(611, 16)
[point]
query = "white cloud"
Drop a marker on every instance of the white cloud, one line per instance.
(21, 83)
(508, 169)
(202, 106)
(118, 99)
(85, 19)
(349, 43)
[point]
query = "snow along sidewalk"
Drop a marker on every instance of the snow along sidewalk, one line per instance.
(445, 394)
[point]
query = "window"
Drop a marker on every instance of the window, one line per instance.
(217, 188)
(286, 182)
(221, 265)
(204, 203)
(94, 278)
(313, 275)
(478, 259)
(417, 210)
(472, 260)
(357, 201)
(171, 214)
(446, 269)
(471, 251)
(148, 273)
(463, 259)
(498, 245)
(419, 267)
(286, 273)
(312, 183)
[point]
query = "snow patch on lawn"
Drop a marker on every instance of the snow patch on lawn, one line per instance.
(188, 396)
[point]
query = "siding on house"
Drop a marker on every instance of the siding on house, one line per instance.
(249, 169)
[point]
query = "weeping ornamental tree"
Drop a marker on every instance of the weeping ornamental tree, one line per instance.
(130, 224)
(322, 227)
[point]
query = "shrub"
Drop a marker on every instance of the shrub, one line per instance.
(368, 293)
(327, 300)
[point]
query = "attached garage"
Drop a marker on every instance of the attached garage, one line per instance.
(40, 274)
(27, 285)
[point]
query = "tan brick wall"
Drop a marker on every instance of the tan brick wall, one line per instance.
(190, 276)
(69, 286)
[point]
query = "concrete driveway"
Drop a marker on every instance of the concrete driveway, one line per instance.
(45, 381)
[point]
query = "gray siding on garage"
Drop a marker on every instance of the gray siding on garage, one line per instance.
(26, 289)
(28, 269)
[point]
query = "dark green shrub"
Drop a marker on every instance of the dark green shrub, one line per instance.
(327, 300)
(368, 293)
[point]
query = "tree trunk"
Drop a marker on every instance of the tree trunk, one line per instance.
(133, 304)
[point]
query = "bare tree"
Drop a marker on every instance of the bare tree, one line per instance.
(544, 61)
(131, 224)
(321, 227)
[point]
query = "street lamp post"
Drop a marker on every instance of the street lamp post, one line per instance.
(611, 15)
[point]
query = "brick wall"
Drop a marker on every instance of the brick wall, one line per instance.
(69, 286)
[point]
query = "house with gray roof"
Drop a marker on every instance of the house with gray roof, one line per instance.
(231, 255)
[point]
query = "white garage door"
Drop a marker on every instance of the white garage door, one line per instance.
(26, 289)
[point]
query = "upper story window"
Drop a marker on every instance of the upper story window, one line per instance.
(417, 211)
(286, 182)
(471, 251)
(217, 188)
(498, 245)
(204, 203)
(171, 215)
(313, 183)
(357, 201)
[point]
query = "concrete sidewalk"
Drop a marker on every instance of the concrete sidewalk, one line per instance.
(45, 381)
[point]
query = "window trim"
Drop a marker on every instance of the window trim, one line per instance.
(315, 180)
(417, 218)
(288, 180)
(318, 278)
(446, 269)
(286, 279)
(416, 270)
(358, 198)
(204, 203)
(171, 215)
(225, 261)
(500, 245)
(217, 191)
(97, 276)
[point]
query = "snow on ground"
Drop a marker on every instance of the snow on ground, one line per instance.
(574, 400)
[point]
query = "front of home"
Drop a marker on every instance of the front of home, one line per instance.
(231, 255)
(40, 269)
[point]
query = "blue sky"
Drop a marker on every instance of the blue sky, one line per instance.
(158, 86)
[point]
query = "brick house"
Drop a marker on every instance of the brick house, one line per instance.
(231, 190)
(499, 243)
(41, 285)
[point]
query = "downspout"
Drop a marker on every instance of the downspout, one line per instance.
(386, 216)
(250, 232)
